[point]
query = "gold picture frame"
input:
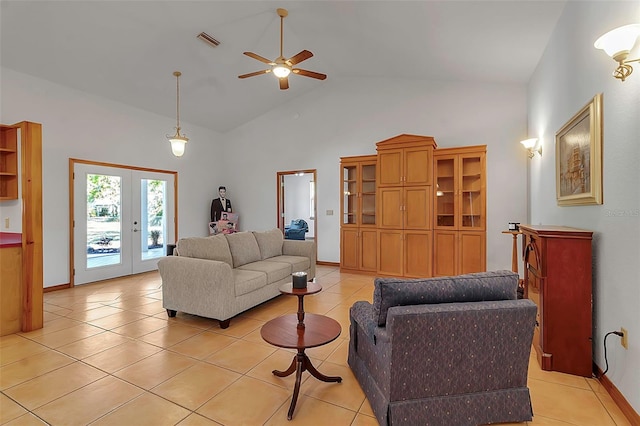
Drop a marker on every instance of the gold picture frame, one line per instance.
(579, 157)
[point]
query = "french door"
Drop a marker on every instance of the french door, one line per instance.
(123, 220)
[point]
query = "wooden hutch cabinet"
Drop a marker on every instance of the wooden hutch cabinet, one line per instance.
(557, 277)
(358, 236)
(413, 210)
(405, 193)
(460, 210)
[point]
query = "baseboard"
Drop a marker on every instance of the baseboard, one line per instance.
(617, 397)
(323, 263)
(56, 288)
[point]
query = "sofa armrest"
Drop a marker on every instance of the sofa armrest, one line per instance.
(197, 286)
(302, 248)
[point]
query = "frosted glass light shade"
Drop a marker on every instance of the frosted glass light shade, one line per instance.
(619, 41)
(529, 143)
(178, 144)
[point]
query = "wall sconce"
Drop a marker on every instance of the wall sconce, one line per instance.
(532, 146)
(617, 44)
(178, 141)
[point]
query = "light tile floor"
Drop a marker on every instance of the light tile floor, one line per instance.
(109, 355)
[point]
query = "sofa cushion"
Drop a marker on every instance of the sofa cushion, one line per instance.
(298, 263)
(275, 271)
(269, 242)
(244, 248)
(211, 248)
(481, 286)
(246, 281)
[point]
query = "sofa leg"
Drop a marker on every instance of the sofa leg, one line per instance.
(225, 323)
(171, 313)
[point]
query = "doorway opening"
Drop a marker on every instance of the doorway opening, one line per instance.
(297, 195)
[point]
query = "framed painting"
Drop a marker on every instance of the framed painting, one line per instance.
(579, 157)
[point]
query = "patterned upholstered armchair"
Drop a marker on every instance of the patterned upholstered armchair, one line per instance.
(444, 351)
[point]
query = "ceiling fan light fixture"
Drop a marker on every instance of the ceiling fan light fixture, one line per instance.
(281, 71)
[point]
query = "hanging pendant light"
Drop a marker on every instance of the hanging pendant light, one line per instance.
(178, 141)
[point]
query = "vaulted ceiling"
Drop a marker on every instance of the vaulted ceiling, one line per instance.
(127, 51)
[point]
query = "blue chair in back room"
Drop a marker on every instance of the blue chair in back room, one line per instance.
(296, 230)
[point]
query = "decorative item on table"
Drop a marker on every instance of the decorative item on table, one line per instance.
(514, 226)
(299, 279)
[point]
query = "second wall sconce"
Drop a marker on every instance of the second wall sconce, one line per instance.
(618, 43)
(532, 146)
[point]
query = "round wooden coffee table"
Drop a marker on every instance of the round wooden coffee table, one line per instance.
(299, 331)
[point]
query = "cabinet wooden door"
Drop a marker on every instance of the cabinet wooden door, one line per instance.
(472, 252)
(390, 252)
(417, 254)
(390, 171)
(368, 250)
(405, 166)
(445, 255)
(446, 201)
(417, 166)
(405, 207)
(417, 207)
(460, 189)
(471, 192)
(390, 207)
(349, 248)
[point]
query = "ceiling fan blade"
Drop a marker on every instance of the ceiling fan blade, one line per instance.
(311, 74)
(284, 83)
(258, 57)
(251, 74)
(302, 56)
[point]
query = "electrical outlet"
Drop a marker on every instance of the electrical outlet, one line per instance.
(6, 223)
(623, 341)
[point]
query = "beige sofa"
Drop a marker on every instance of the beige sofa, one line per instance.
(221, 276)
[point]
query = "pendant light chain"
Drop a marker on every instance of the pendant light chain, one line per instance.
(178, 74)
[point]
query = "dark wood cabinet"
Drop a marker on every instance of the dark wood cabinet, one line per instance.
(558, 278)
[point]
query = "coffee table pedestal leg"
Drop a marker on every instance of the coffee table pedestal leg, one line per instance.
(300, 363)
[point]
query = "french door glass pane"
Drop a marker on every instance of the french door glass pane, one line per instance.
(153, 228)
(104, 227)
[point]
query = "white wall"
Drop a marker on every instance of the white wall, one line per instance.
(348, 117)
(570, 73)
(78, 125)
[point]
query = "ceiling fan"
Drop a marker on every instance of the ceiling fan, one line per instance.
(282, 67)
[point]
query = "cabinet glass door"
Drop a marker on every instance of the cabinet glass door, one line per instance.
(445, 192)
(349, 194)
(471, 193)
(368, 210)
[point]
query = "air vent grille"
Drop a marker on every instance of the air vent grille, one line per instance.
(208, 39)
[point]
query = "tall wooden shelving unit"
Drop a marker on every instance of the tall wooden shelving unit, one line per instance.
(29, 274)
(460, 210)
(358, 237)
(430, 209)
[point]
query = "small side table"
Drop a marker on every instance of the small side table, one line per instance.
(299, 331)
(514, 251)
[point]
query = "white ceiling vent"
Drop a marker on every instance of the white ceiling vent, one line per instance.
(208, 39)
